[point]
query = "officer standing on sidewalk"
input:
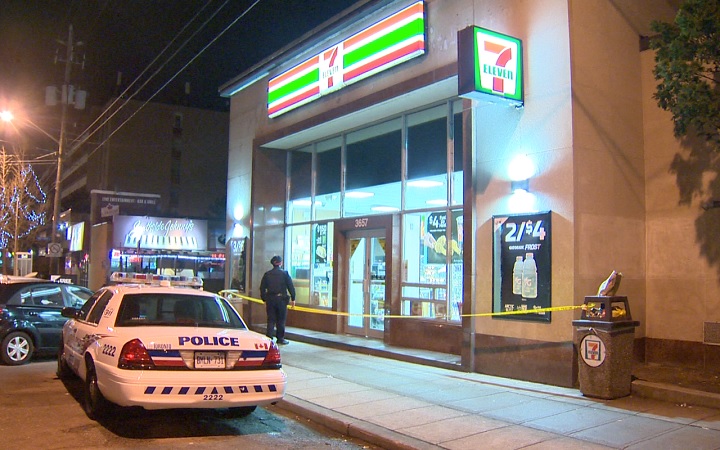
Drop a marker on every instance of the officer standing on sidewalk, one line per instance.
(274, 288)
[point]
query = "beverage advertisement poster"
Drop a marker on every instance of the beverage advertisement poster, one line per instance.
(434, 237)
(522, 265)
(321, 243)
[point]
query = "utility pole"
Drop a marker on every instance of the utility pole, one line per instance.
(65, 92)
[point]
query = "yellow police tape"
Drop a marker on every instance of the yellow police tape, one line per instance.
(232, 293)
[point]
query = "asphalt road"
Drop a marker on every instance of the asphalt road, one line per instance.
(37, 410)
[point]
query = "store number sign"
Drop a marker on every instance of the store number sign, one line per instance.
(522, 265)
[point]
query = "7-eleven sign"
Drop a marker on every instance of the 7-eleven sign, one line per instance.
(331, 74)
(489, 63)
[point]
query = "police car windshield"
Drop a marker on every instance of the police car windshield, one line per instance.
(144, 309)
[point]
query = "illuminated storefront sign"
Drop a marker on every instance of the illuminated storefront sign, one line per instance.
(489, 65)
(158, 233)
(379, 47)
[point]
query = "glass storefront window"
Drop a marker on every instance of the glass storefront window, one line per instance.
(299, 204)
(432, 264)
(427, 143)
(457, 169)
(322, 267)
(328, 178)
(373, 169)
(297, 262)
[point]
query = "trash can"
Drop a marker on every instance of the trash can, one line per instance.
(604, 336)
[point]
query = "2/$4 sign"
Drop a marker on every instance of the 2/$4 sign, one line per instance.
(389, 42)
(489, 66)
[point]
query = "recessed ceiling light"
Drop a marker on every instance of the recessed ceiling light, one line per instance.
(437, 202)
(382, 208)
(424, 183)
(359, 194)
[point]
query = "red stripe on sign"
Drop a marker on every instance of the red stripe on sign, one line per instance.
(293, 100)
(315, 60)
(417, 8)
(390, 57)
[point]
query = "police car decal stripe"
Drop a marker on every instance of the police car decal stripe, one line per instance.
(200, 390)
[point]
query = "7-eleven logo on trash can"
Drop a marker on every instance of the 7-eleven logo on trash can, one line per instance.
(592, 350)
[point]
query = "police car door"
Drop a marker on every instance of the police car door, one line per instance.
(82, 332)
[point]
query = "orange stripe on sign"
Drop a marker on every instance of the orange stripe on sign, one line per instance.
(315, 60)
(417, 8)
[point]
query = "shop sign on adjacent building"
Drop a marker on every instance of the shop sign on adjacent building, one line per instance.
(159, 233)
(489, 65)
(387, 43)
(522, 265)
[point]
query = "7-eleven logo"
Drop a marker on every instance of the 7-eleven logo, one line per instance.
(592, 350)
(498, 65)
(331, 69)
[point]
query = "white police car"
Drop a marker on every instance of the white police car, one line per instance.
(143, 343)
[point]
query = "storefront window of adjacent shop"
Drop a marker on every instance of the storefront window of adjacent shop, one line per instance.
(321, 268)
(328, 177)
(432, 265)
(297, 261)
(427, 158)
(373, 169)
(457, 169)
(300, 175)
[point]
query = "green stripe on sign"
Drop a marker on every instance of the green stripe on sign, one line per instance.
(414, 28)
(309, 78)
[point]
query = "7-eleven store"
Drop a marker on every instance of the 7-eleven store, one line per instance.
(426, 166)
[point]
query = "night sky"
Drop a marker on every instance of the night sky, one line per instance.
(127, 35)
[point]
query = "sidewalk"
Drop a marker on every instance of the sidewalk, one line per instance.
(395, 404)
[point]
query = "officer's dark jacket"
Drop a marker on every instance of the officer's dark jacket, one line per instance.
(276, 282)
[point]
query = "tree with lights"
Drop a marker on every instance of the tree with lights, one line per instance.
(23, 205)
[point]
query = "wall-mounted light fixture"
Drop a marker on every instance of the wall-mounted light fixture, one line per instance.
(520, 170)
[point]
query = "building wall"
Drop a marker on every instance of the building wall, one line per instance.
(137, 157)
(683, 276)
(608, 153)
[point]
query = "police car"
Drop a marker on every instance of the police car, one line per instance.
(161, 342)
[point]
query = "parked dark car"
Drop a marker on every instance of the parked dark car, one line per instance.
(30, 319)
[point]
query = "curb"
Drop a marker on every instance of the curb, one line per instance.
(349, 426)
(675, 394)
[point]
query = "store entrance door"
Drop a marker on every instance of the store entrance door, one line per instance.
(366, 283)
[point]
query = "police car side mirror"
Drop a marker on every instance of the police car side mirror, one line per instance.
(70, 312)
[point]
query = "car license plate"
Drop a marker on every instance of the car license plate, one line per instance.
(209, 360)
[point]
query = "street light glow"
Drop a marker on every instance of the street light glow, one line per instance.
(6, 116)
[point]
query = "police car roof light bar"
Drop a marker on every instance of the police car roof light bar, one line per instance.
(150, 279)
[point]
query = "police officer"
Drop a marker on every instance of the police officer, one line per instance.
(274, 288)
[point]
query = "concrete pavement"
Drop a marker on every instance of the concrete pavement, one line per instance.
(400, 405)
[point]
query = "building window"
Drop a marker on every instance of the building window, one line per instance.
(297, 262)
(432, 265)
(427, 159)
(300, 189)
(328, 178)
(373, 169)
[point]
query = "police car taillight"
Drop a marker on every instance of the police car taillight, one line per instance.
(273, 356)
(134, 355)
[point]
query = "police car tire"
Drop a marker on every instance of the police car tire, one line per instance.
(63, 371)
(17, 349)
(242, 411)
(95, 405)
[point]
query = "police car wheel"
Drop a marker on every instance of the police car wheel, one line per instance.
(95, 404)
(63, 371)
(17, 349)
(242, 411)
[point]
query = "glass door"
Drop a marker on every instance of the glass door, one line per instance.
(366, 276)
